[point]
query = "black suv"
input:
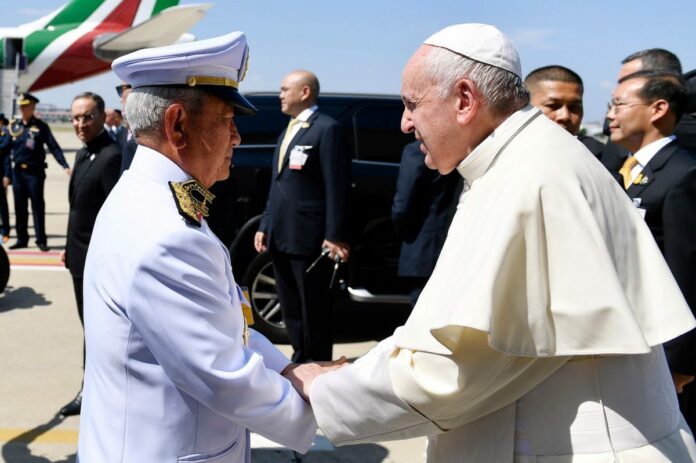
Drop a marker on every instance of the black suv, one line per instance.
(372, 131)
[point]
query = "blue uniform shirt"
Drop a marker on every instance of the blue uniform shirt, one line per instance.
(5, 147)
(28, 142)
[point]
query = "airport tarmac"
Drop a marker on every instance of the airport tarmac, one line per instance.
(41, 361)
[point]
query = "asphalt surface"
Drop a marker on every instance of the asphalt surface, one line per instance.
(41, 353)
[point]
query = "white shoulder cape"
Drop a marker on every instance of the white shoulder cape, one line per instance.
(547, 255)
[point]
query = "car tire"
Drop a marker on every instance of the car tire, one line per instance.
(4, 269)
(259, 279)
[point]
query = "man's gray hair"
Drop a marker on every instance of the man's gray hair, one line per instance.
(502, 91)
(145, 106)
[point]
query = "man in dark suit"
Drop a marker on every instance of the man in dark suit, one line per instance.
(29, 135)
(96, 171)
(656, 59)
(305, 214)
(557, 91)
(422, 210)
(660, 178)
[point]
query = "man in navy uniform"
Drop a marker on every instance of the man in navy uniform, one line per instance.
(6, 172)
(29, 135)
(305, 214)
(173, 372)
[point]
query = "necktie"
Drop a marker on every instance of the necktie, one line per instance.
(286, 141)
(625, 170)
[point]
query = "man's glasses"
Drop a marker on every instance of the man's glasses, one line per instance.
(86, 118)
(122, 88)
(618, 106)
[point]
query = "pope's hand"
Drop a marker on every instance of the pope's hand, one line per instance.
(301, 376)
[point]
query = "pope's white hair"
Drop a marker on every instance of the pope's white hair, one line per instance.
(145, 106)
(502, 91)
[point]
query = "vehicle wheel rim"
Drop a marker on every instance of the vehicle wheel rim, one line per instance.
(264, 297)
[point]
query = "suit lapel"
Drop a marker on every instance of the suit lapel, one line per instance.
(82, 165)
(647, 175)
(295, 140)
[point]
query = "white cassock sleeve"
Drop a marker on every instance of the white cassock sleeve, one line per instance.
(392, 393)
(181, 303)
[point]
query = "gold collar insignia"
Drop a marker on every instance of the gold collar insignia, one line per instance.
(192, 200)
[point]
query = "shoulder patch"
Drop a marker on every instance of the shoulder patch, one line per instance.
(192, 200)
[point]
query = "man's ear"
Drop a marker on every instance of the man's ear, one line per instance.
(659, 110)
(466, 99)
(176, 120)
(305, 92)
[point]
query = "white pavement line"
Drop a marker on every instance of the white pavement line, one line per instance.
(50, 268)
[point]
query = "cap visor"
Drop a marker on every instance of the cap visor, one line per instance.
(232, 95)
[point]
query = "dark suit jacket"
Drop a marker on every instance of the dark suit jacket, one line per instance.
(309, 205)
(121, 136)
(595, 146)
(90, 184)
(668, 195)
(423, 208)
(127, 154)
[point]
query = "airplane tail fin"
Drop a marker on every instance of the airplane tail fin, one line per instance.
(125, 12)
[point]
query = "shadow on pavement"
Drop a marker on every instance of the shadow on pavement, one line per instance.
(17, 450)
(362, 453)
(21, 298)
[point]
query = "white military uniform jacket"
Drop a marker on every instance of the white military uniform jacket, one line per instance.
(538, 337)
(168, 377)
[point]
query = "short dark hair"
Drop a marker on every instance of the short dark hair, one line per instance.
(555, 73)
(662, 85)
(118, 111)
(94, 97)
(656, 59)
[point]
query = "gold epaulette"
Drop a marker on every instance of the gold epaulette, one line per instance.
(192, 200)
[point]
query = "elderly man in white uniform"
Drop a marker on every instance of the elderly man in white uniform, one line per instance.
(173, 373)
(538, 337)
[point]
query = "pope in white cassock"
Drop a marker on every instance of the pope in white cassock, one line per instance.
(538, 337)
(173, 374)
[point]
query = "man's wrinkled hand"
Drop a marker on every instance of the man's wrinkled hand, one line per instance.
(301, 376)
(680, 381)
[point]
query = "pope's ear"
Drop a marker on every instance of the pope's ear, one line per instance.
(176, 119)
(466, 100)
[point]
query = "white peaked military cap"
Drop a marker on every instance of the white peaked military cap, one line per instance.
(215, 65)
(479, 42)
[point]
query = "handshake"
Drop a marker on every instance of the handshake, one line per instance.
(302, 375)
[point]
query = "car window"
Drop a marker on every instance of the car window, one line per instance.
(262, 128)
(378, 135)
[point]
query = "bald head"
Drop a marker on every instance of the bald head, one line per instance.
(298, 91)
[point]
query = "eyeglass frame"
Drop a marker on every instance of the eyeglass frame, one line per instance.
(616, 107)
(122, 88)
(86, 118)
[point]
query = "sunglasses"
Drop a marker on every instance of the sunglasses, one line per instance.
(122, 88)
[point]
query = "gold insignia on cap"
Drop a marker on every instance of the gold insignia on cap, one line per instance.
(192, 81)
(192, 200)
